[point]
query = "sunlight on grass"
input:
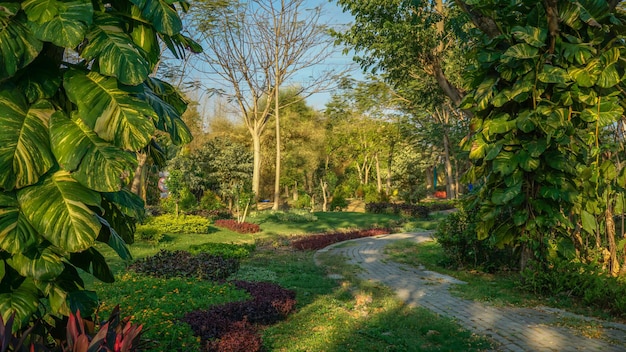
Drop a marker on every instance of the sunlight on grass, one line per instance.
(160, 303)
(359, 316)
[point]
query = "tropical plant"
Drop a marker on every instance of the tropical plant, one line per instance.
(547, 89)
(76, 103)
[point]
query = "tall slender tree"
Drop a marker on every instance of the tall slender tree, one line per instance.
(256, 47)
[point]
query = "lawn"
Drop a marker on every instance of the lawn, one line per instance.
(331, 315)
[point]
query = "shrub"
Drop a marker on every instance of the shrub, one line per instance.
(241, 227)
(297, 216)
(149, 233)
(319, 241)
(338, 203)
(224, 250)
(210, 201)
(183, 224)
(269, 304)
(409, 210)
(203, 266)
(457, 236)
(303, 202)
(585, 282)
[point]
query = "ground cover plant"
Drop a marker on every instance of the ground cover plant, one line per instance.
(321, 240)
(234, 225)
(201, 266)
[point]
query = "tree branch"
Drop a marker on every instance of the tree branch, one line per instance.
(552, 13)
(486, 24)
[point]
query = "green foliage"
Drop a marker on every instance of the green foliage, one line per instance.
(544, 101)
(303, 202)
(157, 302)
(169, 223)
(292, 216)
(210, 201)
(224, 250)
(149, 233)
(338, 203)
(201, 266)
(457, 236)
(584, 282)
(76, 103)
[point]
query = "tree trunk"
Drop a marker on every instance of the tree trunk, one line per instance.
(429, 179)
(256, 170)
(389, 164)
(295, 191)
(379, 178)
(610, 232)
(324, 186)
(450, 184)
(138, 177)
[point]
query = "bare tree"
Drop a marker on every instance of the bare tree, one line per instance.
(255, 48)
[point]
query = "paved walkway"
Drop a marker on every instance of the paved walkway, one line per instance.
(513, 329)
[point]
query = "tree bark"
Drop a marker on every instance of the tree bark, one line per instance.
(256, 170)
(137, 178)
(450, 184)
(454, 93)
(486, 24)
(324, 186)
(610, 233)
(379, 178)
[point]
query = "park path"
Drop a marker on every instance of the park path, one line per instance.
(513, 329)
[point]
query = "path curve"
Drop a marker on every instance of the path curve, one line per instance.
(513, 329)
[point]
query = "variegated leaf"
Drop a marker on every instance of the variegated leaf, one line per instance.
(169, 117)
(63, 23)
(24, 144)
(110, 111)
(161, 14)
(23, 301)
(115, 51)
(18, 46)
(80, 151)
(58, 208)
(43, 263)
(17, 235)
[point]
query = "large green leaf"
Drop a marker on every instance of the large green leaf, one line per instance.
(63, 23)
(128, 203)
(18, 46)
(505, 163)
(111, 111)
(531, 35)
(41, 81)
(519, 51)
(41, 263)
(17, 235)
(24, 146)
(115, 51)
(553, 74)
(93, 262)
(23, 301)
(59, 209)
(606, 113)
(92, 161)
(589, 222)
(145, 38)
(503, 196)
(169, 121)
(161, 14)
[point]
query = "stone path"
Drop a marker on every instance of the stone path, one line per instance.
(513, 329)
